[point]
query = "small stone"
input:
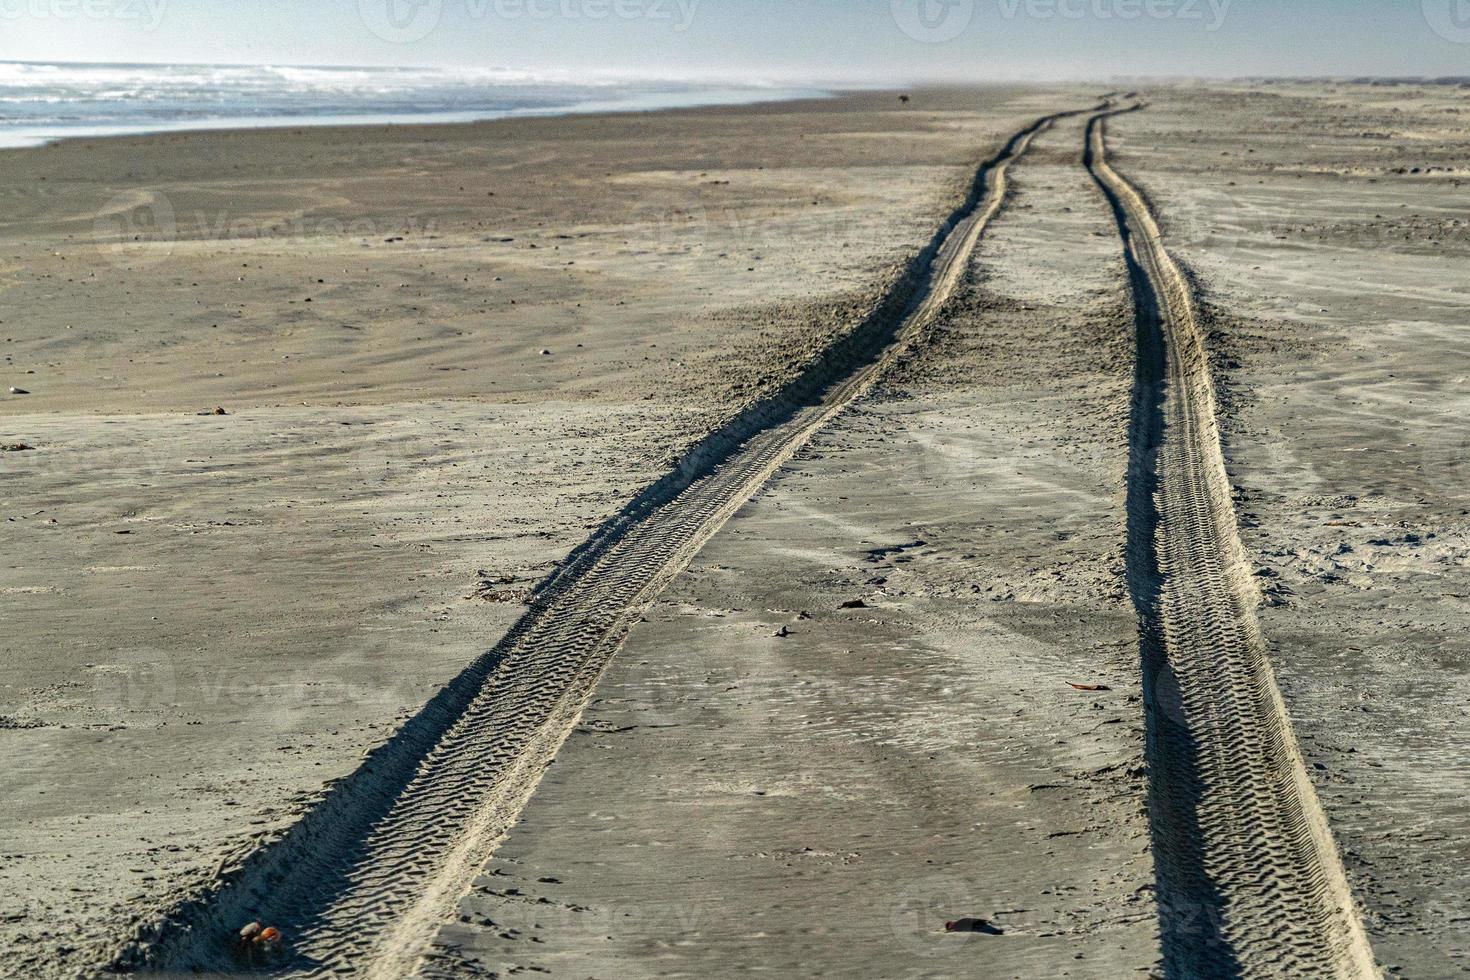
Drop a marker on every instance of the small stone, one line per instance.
(18, 391)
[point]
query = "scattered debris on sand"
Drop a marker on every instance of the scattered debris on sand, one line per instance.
(259, 945)
(490, 588)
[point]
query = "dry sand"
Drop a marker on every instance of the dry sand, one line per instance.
(1327, 225)
(297, 574)
(209, 616)
(823, 802)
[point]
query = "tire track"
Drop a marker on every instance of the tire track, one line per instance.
(1249, 878)
(362, 881)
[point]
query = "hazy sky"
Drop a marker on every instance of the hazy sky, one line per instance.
(822, 40)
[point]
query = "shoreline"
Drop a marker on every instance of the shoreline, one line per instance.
(41, 136)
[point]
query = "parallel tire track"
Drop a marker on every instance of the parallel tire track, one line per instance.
(362, 882)
(1249, 878)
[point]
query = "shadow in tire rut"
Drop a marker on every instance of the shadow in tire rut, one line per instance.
(1190, 906)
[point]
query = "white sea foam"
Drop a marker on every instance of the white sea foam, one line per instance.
(41, 102)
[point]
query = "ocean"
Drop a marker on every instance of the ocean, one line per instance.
(41, 102)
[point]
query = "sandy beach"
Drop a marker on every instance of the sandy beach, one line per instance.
(337, 445)
(1336, 323)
